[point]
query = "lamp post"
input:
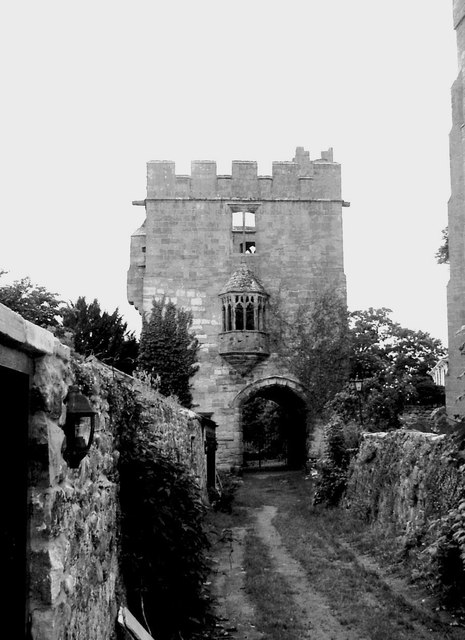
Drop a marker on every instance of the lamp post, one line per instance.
(357, 386)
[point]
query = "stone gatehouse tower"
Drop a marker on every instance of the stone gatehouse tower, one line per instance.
(232, 248)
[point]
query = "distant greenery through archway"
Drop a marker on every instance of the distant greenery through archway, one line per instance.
(273, 429)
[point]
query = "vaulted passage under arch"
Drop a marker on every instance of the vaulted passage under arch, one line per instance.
(273, 420)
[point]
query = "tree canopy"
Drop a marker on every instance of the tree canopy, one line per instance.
(91, 330)
(442, 254)
(393, 363)
(33, 302)
(102, 334)
(168, 349)
(319, 348)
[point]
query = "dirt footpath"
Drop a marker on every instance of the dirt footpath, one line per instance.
(384, 607)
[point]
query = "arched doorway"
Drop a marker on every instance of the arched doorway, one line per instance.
(273, 414)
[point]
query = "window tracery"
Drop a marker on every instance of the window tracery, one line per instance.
(243, 312)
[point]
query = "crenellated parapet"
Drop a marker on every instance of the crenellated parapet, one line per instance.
(299, 179)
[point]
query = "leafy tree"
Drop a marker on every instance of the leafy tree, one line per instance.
(104, 335)
(442, 254)
(33, 302)
(319, 349)
(393, 362)
(168, 350)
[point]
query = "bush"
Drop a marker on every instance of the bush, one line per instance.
(222, 496)
(448, 557)
(163, 542)
(332, 468)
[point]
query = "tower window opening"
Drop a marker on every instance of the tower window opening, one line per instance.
(249, 247)
(250, 323)
(229, 318)
(243, 227)
(241, 219)
(239, 316)
(260, 318)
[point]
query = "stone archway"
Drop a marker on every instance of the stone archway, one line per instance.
(289, 395)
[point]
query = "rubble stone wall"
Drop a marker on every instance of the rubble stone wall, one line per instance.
(76, 586)
(404, 480)
(74, 582)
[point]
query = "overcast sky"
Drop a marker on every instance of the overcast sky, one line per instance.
(93, 90)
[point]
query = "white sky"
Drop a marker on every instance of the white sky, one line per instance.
(93, 90)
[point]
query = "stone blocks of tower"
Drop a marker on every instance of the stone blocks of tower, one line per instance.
(289, 237)
(455, 382)
(244, 179)
(458, 14)
(161, 179)
(297, 179)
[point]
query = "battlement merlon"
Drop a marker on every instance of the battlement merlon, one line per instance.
(301, 179)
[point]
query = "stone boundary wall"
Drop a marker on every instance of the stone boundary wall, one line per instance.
(76, 587)
(74, 583)
(404, 480)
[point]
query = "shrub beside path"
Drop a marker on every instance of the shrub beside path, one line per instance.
(284, 570)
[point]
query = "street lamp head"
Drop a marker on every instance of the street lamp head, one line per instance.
(356, 384)
(79, 427)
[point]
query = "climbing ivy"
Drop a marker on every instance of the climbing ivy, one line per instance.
(333, 466)
(447, 532)
(163, 542)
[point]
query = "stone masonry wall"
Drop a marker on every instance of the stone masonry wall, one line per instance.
(74, 562)
(72, 542)
(455, 388)
(403, 480)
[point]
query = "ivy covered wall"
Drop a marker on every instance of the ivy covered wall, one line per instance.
(404, 478)
(413, 485)
(74, 547)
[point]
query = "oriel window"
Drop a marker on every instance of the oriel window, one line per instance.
(244, 312)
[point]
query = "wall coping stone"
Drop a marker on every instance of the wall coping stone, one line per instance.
(25, 336)
(421, 435)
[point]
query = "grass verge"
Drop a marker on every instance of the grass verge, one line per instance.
(327, 543)
(277, 616)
